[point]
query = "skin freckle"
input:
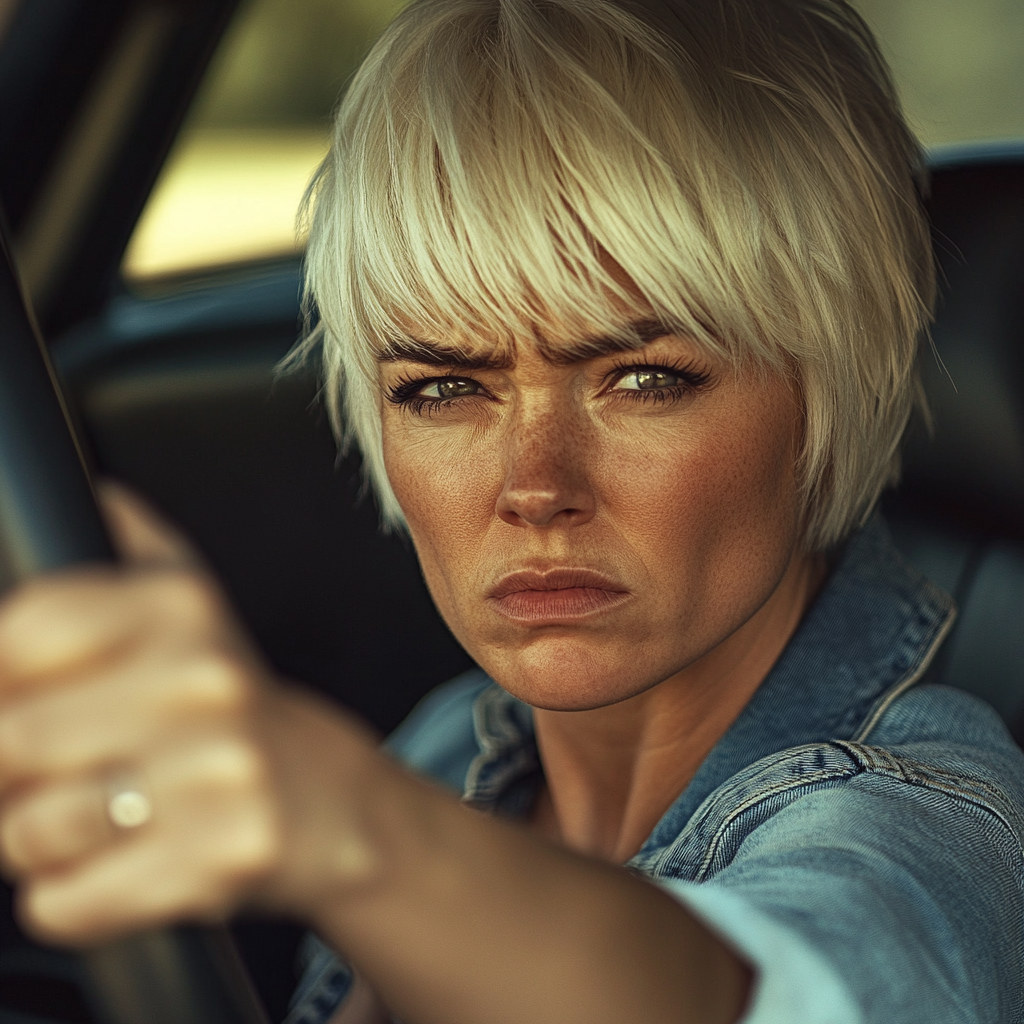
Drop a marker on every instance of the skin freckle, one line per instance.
(673, 501)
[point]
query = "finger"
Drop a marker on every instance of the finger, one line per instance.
(140, 534)
(212, 835)
(134, 888)
(49, 826)
(54, 623)
(120, 715)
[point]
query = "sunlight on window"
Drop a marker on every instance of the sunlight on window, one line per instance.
(257, 130)
(957, 64)
(227, 195)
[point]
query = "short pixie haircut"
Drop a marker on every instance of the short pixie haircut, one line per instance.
(745, 162)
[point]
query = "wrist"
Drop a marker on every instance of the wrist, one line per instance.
(330, 778)
(380, 848)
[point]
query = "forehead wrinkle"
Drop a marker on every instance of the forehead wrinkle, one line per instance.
(634, 335)
(416, 350)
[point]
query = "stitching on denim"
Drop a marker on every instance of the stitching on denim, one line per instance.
(859, 759)
(721, 804)
(886, 700)
(981, 793)
(767, 792)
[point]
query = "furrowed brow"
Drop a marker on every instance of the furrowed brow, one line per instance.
(413, 350)
(637, 334)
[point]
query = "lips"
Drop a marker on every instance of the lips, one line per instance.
(555, 596)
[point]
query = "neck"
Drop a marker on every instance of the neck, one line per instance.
(613, 772)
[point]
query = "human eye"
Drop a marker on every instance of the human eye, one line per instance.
(656, 382)
(431, 394)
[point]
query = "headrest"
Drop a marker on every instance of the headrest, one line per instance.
(972, 470)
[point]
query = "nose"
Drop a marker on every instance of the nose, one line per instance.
(547, 481)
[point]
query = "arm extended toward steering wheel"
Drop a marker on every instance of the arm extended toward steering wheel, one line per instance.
(48, 520)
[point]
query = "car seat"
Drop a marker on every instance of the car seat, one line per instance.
(959, 511)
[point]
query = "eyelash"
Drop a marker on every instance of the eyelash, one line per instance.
(692, 380)
(403, 392)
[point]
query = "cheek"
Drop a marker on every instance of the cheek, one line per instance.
(442, 482)
(721, 521)
(709, 503)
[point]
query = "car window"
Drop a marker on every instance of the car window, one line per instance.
(959, 65)
(258, 128)
(232, 185)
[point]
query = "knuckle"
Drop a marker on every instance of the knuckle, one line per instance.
(223, 682)
(25, 740)
(13, 855)
(255, 846)
(189, 597)
(50, 620)
(45, 912)
(24, 839)
(45, 828)
(245, 837)
(240, 765)
(36, 915)
(207, 682)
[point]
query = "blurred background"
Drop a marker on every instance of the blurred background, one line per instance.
(230, 190)
(258, 129)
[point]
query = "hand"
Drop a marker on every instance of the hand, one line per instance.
(263, 794)
(140, 672)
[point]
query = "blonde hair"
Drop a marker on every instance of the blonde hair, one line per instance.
(744, 162)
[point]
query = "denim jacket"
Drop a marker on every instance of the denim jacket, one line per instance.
(856, 834)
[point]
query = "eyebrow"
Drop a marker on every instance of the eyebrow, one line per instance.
(410, 349)
(414, 350)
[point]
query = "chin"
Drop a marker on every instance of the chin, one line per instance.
(571, 677)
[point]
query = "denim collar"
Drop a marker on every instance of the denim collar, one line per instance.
(869, 636)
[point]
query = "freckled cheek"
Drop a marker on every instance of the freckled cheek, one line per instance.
(710, 512)
(744, 507)
(442, 481)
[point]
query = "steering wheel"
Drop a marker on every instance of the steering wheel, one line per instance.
(49, 519)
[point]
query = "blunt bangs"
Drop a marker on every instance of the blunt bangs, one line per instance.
(743, 163)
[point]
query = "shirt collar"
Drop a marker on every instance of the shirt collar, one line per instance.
(869, 636)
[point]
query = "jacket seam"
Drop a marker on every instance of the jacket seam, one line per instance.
(762, 795)
(983, 794)
(888, 698)
(765, 793)
(865, 760)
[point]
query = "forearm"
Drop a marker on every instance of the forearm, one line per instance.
(470, 919)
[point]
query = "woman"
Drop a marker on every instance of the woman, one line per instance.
(621, 303)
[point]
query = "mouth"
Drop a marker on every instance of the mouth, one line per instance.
(554, 597)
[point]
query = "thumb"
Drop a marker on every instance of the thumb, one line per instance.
(140, 534)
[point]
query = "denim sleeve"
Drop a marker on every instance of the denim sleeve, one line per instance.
(875, 902)
(793, 982)
(325, 983)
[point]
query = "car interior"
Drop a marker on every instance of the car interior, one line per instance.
(175, 388)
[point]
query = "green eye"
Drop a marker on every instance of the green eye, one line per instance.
(647, 380)
(451, 387)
